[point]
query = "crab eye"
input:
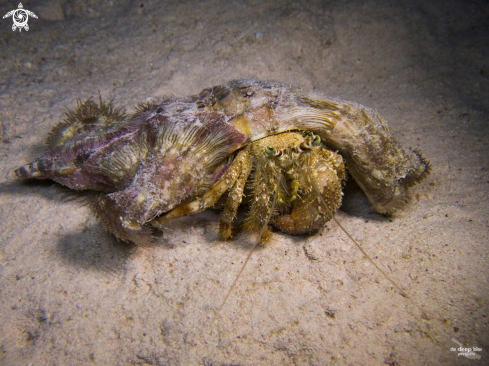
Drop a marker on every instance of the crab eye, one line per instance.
(316, 141)
(270, 151)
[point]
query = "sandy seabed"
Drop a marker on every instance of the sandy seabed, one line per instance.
(71, 294)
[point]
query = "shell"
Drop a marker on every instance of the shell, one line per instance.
(172, 152)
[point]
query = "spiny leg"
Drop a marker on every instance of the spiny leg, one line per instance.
(265, 183)
(210, 197)
(234, 198)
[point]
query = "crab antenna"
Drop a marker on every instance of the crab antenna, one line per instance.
(260, 234)
(401, 291)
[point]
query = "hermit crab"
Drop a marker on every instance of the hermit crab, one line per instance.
(286, 150)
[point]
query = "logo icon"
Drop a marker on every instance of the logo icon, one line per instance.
(20, 17)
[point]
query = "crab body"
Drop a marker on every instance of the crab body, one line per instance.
(180, 155)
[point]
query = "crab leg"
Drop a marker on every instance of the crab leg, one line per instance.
(210, 198)
(264, 188)
(234, 198)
